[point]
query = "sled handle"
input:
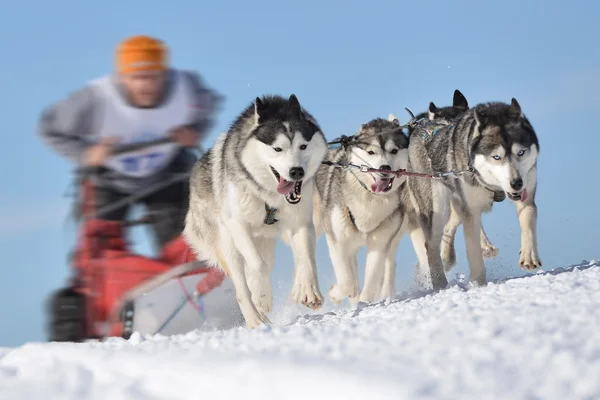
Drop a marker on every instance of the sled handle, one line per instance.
(126, 148)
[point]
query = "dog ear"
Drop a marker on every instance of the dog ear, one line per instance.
(459, 100)
(392, 118)
(295, 104)
(259, 109)
(481, 119)
(432, 110)
(514, 111)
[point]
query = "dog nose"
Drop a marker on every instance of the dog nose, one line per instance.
(386, 167)
(297, 173)
(516, 184)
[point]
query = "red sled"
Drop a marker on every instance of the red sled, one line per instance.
(107, 276)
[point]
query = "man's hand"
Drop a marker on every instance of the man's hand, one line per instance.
(185, 136)
(95, 155)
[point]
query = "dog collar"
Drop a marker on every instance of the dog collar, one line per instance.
(270, 215)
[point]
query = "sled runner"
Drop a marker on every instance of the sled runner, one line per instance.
(107, 277)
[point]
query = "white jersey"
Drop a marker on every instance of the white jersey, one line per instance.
(134, 125)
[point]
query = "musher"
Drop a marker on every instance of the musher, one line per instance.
(143, 100)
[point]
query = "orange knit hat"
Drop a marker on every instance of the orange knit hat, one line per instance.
(141, 53)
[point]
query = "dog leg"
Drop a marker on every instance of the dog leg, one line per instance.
(346, 283)
(434, 229)
(388, 288)
(376, 256)
(232, 260)
(436, 265)
(306, 285)
(353, 262)
(527, 213)
(472, 231)
(422, 277)
(257, 271)
(447, 247)
(487, 248)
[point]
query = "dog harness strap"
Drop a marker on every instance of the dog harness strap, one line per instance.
(351, 218)
(361, 182)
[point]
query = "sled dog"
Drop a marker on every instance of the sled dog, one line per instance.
(255, 185)
(494, 148)
(445, 116)
(357, 208)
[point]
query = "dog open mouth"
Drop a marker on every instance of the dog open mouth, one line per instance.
(382, 184)
(521, 196)
(291, 189)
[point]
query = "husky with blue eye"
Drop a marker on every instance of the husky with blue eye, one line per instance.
(497, 148)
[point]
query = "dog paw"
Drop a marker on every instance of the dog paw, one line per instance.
(366, 297)
(257, 319)
(479, 280)
(388, 291)
(529, 259)
(448, 256)
(338, 293)
(262, 293)
(439, 281)
(307, 293)
(253, 317)
(263, 299)
(488, 250)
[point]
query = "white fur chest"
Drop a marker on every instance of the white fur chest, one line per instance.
(477, 198)
(137, 125)
(370, 215)
(268, 216)
(368, 211)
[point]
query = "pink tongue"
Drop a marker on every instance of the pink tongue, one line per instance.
(524, 195)
(380, 185)
(284, 187)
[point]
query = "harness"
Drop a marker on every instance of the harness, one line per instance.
(431, 129)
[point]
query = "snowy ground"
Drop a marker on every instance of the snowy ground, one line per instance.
(528, 338)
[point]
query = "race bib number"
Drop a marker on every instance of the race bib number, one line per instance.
(142, 164)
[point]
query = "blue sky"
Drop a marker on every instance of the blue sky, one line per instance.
(347, 61)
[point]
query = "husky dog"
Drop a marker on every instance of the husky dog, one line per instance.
(496, 148)
(254, 185)
(430, 122)
(447, 115)
(459, 106)
(357, 208)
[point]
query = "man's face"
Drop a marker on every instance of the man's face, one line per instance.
(144, 88)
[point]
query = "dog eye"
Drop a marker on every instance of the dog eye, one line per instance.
(370, 152)
(277, 149)
(496, 157)
(394, 151)
(520, 153)
(303, 147)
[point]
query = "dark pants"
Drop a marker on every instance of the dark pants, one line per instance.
(166, 207)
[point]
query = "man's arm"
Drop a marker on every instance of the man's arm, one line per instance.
(206, 103)
(66, 125)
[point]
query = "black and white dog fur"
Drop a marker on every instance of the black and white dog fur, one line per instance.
(255, 185)
(357, 209)
(498, 142)
(447, 115)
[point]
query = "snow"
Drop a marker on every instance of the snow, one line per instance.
(534, 337)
